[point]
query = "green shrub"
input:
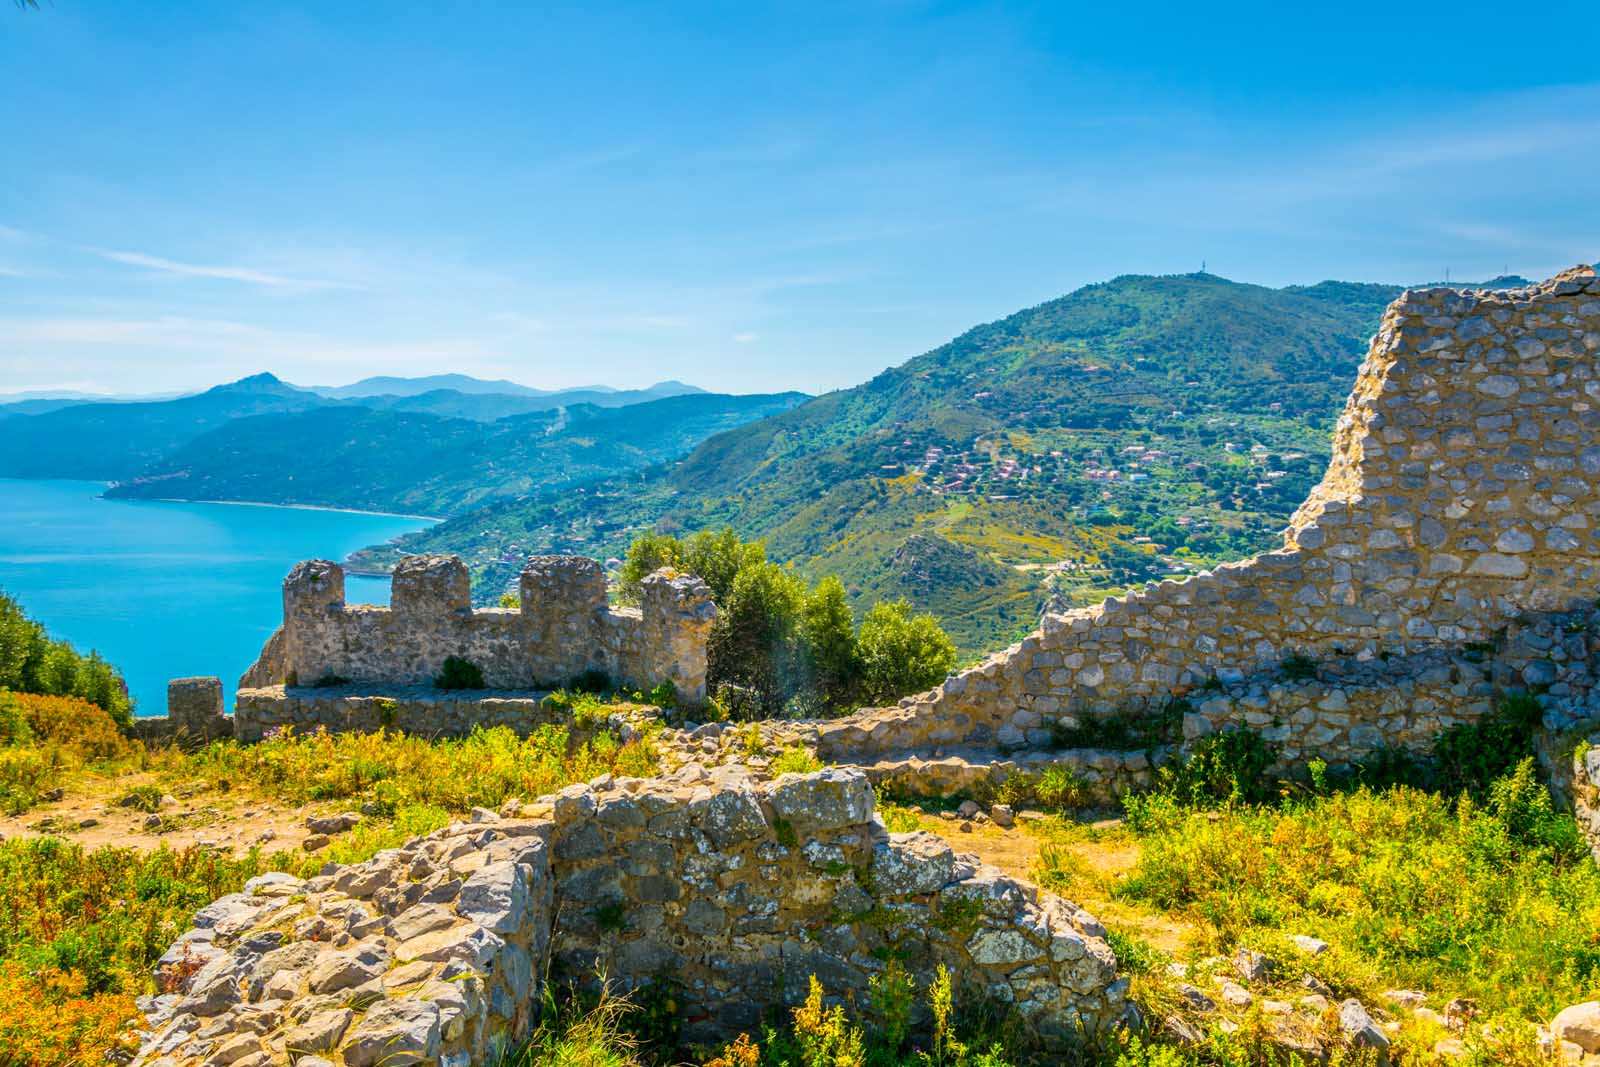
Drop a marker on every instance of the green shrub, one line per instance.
(716, 558)
(828, 632)
(1061, 788)
(32, 662)
(458, 673)
(1058, 787)
(755, 642)
(796, 759)
(145, 798)
(1224, 769)
(1470, 756)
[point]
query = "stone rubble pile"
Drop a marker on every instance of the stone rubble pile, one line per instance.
(732, 890)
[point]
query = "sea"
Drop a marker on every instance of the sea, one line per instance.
(166, 590)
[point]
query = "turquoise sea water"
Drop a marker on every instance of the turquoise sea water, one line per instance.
(167, 590)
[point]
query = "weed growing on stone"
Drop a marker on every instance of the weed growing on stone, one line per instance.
(458, 673)
(1057, 788)
(795, 759)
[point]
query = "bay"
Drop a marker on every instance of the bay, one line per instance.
(165, 590)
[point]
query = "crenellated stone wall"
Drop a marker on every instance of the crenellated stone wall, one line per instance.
(1463, 495)
(563, 628)
(732, 892)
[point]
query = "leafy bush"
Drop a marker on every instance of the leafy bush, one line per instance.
(458, 673)
(755, 642)
(1470, 756)
(32, 662)
(827, 629)
(796, 759)
(716, 558)
(1058, 787)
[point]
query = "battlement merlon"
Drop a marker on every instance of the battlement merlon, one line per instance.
(313, 587)
(573, 585)
(677, 616)
(429, 585)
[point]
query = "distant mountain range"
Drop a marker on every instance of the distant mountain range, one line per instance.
(417, 463)
(419, 448)
(1137, 428)
(461, 383)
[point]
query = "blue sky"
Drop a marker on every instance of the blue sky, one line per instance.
(746, 196)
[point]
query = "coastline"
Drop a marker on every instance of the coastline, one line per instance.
(268, 504)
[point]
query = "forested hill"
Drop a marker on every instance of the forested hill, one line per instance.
(420, 463)
(1140, 427)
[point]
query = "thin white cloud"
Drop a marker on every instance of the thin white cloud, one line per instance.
(746, 338)
(221, 337)
(247, 275)
(530, 323)
(657, 322)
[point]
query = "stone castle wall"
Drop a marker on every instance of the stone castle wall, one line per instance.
(733, 892)
(563, 628)
(1463, 494)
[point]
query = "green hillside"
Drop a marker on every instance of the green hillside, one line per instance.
(1137, 428)
(413, 462)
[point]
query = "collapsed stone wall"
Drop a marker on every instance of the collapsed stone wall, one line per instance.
(194, 715)
(563, 628)
(733, 891)
(1462, 495)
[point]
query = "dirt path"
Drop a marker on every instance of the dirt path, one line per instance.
(1085, 868)
(89, 813)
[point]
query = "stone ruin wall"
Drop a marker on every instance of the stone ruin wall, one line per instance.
(563, 628)
(735, 891)
(1463, 495)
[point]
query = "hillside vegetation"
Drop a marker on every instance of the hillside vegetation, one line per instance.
(416, 462)
(31, 661)
(1138, 428)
